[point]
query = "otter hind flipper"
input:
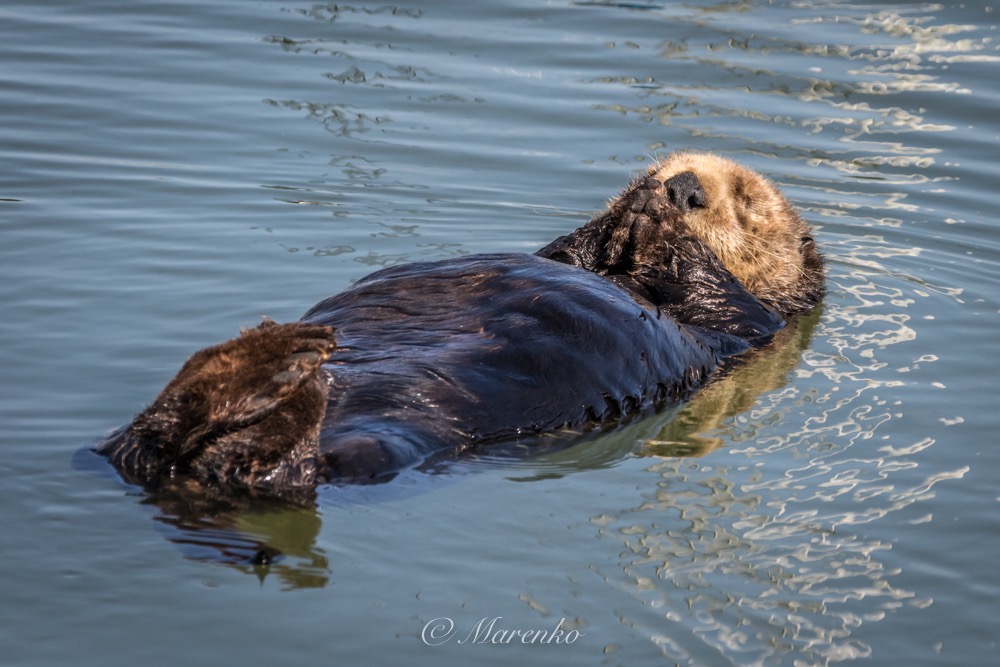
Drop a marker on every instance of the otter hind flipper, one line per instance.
(246, 378)
(244, 411)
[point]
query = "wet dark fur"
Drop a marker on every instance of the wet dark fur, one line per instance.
(628, 312)
(642, 245)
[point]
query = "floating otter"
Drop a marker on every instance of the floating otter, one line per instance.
(699, 260)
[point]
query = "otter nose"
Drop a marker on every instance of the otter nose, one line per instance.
(685, 191)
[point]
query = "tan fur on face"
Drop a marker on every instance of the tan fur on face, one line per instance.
(749, 225)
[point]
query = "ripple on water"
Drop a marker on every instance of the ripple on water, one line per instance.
(772, 520)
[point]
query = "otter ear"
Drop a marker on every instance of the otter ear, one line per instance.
(811, 258)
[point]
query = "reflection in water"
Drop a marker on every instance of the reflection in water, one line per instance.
(259, 536)
(338, 118)
(764, 553)
(759, 372)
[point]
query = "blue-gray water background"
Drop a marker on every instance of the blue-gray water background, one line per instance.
(172, 171)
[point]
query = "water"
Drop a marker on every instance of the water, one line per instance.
(174, 171)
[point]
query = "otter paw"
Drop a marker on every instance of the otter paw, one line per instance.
(244, 379)
(641, 195)
(273, 362)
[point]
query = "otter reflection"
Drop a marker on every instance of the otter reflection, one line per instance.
(260, 535)
(733, 392)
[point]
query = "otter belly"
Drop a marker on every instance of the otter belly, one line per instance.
(439, 355)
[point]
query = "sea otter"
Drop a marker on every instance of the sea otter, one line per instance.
(698, 260)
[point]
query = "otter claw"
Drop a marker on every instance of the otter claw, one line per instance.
(657, 207)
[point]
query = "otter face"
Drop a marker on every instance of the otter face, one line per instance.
(752, 228)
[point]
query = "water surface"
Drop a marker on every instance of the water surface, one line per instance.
(175, 171)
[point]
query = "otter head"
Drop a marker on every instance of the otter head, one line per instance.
(753, 230)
